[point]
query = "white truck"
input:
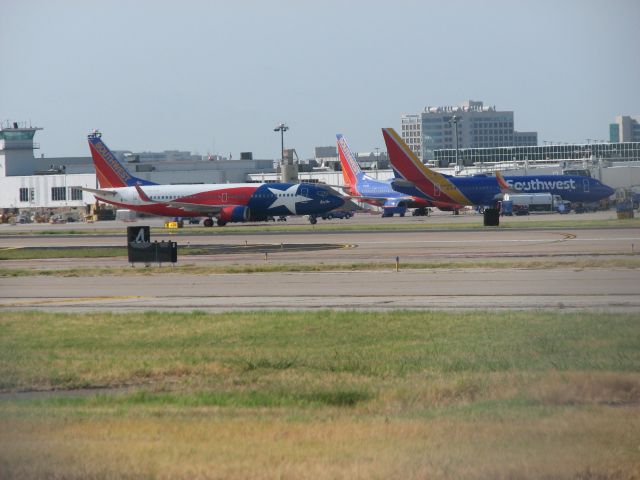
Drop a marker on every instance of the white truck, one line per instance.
(533, 202)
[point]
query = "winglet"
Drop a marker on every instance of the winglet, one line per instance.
(504, 186)
(143, 196)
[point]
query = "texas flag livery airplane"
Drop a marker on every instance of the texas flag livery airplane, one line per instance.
(417, 179)
(239, 202)
(361, 187)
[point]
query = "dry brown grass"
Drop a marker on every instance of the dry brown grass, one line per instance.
(322, 395)
(578, 388)
(574, 444)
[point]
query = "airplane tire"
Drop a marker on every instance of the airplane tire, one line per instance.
(208, 222)
(221, 223)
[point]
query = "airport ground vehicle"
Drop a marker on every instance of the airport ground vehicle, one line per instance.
(391, 211)
(23, 218)
(336, 214)
(535, 202)
(125, 215)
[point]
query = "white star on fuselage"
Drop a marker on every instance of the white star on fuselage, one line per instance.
(288, 198)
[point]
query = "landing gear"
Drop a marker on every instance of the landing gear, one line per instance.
(221, 223)
(421, 212)
(312, 219)
(208, 222)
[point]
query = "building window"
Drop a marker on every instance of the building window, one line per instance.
(75, 193)
(27, 194)
(58, 193)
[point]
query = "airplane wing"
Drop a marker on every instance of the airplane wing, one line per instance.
(335, 188)
(381, 201)
(99, 192)
(197, 207)
(201, 208)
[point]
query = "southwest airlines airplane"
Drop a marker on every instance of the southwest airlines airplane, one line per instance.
(414, 178)
(360, 186)
(239, 202)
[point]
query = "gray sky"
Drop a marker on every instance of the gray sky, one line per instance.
(220, 75)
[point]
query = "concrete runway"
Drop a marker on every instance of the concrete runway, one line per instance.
(612, 289)
(616, 290)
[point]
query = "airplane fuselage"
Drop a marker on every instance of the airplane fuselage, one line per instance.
(258, 201)
(485, 190)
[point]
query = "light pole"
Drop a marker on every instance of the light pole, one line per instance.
(454, 120)
(281, 128)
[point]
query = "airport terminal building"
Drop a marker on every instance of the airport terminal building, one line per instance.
(552, 153)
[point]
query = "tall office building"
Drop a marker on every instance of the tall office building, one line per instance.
(625, 129)
(412, 132)
(476, 126)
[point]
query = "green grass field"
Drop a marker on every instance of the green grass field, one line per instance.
(320, 395)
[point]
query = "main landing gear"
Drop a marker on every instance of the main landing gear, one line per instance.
(208, 222)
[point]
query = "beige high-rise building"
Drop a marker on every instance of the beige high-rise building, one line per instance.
(625, 129)
(474, 124)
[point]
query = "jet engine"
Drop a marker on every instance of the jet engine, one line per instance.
(233, 214)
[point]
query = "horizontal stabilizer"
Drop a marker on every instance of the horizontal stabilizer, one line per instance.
(401, 182)
(99, 192)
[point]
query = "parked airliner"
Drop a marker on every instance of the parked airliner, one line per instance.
(361, 187)
(240, 202)
(415, 178)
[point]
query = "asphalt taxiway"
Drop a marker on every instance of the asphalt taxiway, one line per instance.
(461, 287)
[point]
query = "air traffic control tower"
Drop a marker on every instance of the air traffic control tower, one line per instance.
(16, 150)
